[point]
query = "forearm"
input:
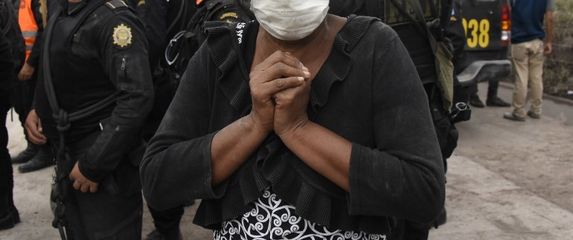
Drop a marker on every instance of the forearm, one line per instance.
(323, 150)
(233, 145)
(119, 136)
(549, 27)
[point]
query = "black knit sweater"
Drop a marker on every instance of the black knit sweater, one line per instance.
(367, 92)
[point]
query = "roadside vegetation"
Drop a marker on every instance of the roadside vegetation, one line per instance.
(558, 78)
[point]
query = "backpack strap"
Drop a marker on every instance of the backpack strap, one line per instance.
(225, 42)
(181, 14)
(374, 8)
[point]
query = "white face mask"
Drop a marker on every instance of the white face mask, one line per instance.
(290, 20)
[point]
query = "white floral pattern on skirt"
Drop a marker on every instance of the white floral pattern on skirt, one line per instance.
(272, 218)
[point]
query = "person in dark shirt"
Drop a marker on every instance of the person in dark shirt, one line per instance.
(94, 97)
(9, 215)
(529, 43)
(154, 15)
(325, 121)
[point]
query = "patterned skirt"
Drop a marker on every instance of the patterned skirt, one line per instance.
(272, 218)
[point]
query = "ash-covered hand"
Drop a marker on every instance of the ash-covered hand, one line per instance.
(291, 106)
(279, 72)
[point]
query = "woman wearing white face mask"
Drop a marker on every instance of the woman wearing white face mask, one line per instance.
(298, 125)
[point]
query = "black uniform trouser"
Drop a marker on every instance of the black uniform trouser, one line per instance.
(114, 211)
(6, 177)
(166, 221)
(492, 87)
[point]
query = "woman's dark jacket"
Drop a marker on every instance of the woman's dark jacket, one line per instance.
(367, 91)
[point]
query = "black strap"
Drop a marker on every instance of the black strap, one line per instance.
(182, 12)
(173, 47)
(374, 8)
(446, 13)
(59, 189)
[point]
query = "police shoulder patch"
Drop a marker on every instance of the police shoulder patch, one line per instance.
(229, 16)
(122, 36)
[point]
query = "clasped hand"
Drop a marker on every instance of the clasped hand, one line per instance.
(280, 89)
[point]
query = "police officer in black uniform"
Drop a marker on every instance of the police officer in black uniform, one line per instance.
(156, 17)
(8, 212)
(95, 94)
(11, 55)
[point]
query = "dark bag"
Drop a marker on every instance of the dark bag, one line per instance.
(440, 93)
(186, 42)
(441, 48)
(187, 22)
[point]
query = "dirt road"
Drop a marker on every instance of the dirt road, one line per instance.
(507, 180)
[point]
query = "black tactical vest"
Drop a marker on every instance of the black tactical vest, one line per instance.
(78, 77)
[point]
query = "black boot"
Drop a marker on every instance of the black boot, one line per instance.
(495, 101)
(166, 224)
(475, 101)
(156, 235)
(442, 218)
(43, 159)
(9, 219)
(26, 155)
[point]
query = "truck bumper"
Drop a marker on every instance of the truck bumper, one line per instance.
(484, 70)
